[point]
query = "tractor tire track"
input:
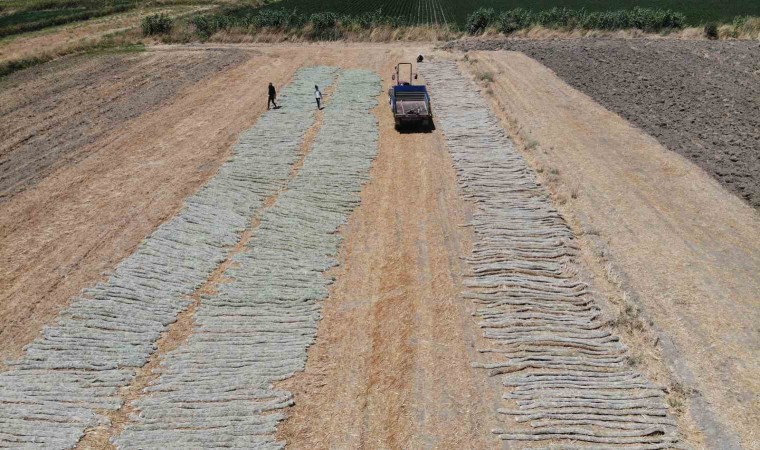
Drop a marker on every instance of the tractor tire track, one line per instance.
(567, 379)
(217, 389)
(73, 373)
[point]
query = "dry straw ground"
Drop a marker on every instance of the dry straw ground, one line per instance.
(392, 357)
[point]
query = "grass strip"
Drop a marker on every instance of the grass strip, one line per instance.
(57, 20)
(646, 19)
(293, 24)
(106, 45)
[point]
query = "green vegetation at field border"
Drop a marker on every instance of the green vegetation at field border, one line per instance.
(156, 24)
(109, 44)
(318, 26)
(429, 12)
(648, 20)
(333, 26)
(22, 16)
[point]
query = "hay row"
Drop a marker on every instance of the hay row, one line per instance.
(54, 392)
(216, 390)
(566, 373)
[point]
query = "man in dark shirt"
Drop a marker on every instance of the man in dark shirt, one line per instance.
(272, 96)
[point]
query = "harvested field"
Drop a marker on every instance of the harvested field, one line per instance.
(126, 314)
(394, 347)
(566, 374)
(683, 251)
(256, 330)
(61, 235)
(207, 273)
(698, 98)
(63, 122)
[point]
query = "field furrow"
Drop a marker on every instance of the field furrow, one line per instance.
(442, 12)
(31, 151)
(408, 12)
(566, 376)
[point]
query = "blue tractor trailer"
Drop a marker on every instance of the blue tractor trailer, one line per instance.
(410, 103)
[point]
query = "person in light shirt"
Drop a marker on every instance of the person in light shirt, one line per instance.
(318, 97)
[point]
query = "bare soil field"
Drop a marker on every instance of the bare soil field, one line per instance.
(410, 340)
(47, 124)
(698, 98)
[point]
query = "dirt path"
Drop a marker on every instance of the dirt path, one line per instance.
(687, 249)
(391, 365)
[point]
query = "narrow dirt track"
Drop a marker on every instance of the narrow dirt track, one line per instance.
(687, 249)
(391, 365)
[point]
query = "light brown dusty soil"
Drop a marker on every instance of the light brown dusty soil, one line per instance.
(391, 366)
(50, 116)
(683, 246)
(698, 98)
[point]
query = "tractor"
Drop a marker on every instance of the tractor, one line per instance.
(410, 104)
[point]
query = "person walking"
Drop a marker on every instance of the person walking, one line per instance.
(318, 96)
(272, 96)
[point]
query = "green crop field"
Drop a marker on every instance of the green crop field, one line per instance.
(456, 11)
(20, 17)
